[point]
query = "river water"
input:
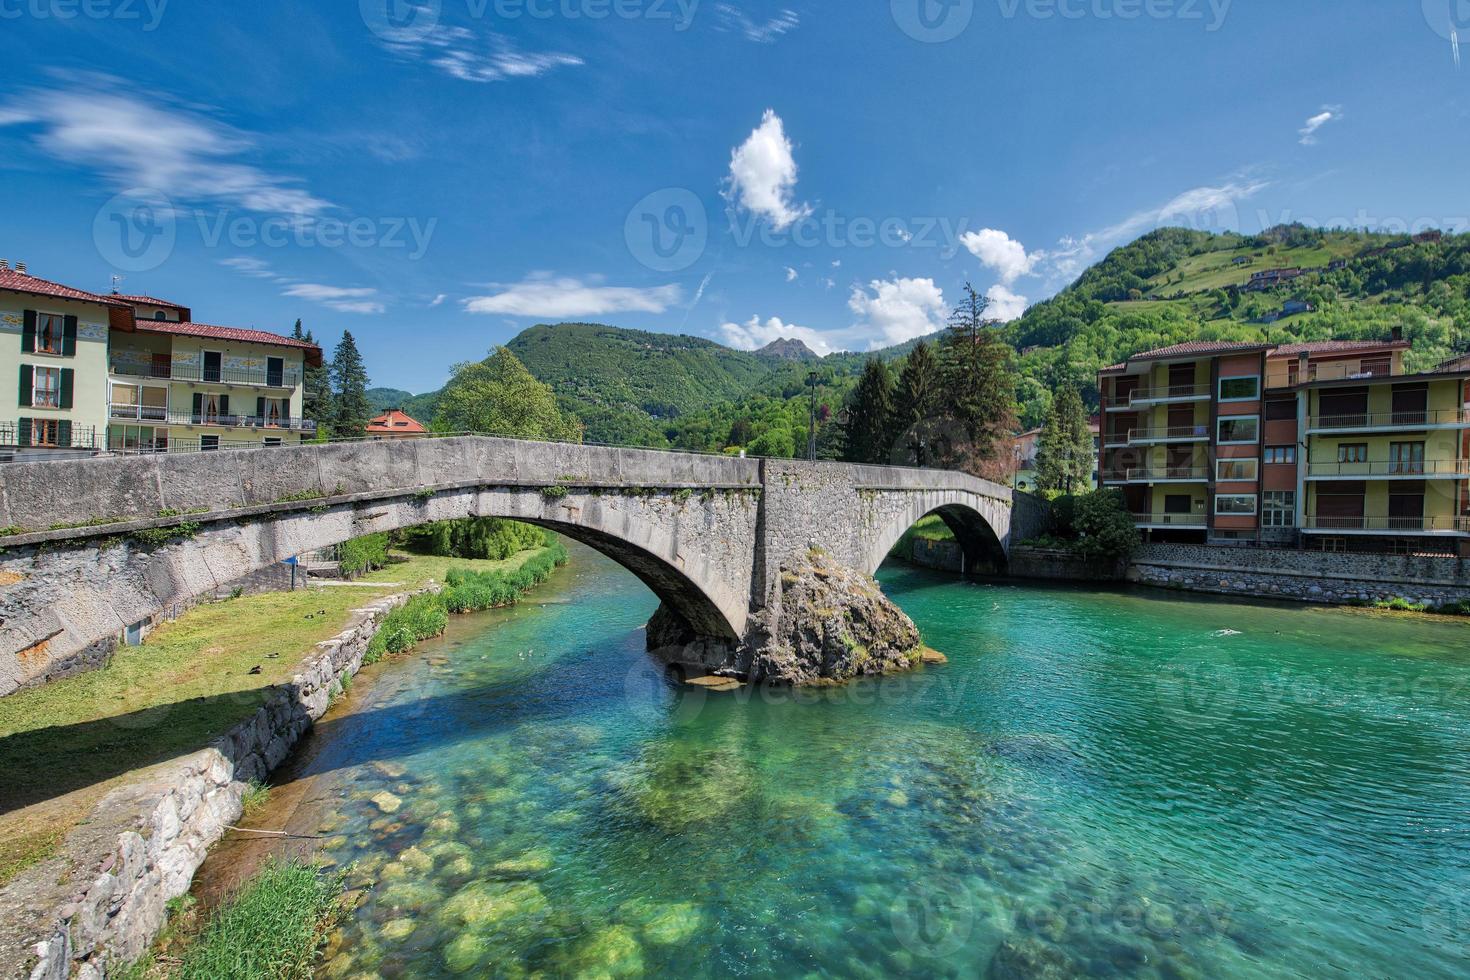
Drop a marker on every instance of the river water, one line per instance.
(1099, 782)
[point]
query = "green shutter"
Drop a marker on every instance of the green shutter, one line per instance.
(260, 407)
(198, 407)
(28, 333)
(224, 405)
(23, 432)
(69, 337)
(63, 433)
(68, 382)
(27, 384)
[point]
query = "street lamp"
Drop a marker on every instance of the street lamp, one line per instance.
(811, 438)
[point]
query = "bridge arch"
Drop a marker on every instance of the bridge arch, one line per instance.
(980, 524)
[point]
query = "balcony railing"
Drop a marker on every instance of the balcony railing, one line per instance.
(1441, 524)
(1392, 420)
(1154, 474)
(196, 445)
(1170, 520)
(162, 416)
(1391, 469)
(80, 437)
(1169, 393)
(1174, 433)
(1116, 438)
(285, 378)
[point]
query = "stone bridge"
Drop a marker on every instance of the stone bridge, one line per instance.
(93, 547)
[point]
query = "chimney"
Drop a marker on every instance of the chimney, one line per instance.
(21, 268)
(4, 265)
(1396, 334)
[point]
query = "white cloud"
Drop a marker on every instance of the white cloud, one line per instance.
(898, 310)
(438, 300)
(998, 251)
(790, 274)
(734, 19)
(567, 297)
(339, 298)
(138, 143)
(754, 334)
(1329, 113)
(461, 53)
(1005, 305)
(254, 268)
(763, 174)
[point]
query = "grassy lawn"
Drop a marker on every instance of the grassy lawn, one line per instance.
(62, 746)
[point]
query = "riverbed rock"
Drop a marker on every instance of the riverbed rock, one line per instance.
(483, 903)
(398, 930)
(386, 802)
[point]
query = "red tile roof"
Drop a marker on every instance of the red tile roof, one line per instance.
(148, 301)
(1338, 346)
(22, 282)
(187, 329)
(394, 421)
(1201, 348)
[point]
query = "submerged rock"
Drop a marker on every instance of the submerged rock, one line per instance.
(483, 903)
(673, 924)
(386, 802)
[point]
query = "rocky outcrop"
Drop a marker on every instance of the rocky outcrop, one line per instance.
(824, 623)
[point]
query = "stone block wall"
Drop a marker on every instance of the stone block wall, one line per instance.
(1063, 566)
(1303, 576)
(96, 906)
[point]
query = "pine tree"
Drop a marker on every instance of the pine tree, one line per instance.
(866, 434)
(316, 389)
(349, 394)
(1064, 451)
(980, 388)
(915, 422)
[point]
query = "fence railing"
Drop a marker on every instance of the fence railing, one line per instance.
(1179, 433)
(285, 378)
(1168, 392)
(162, 416)
(1450, 468)
(1391, 420)
(1442, 523)
(1172, 520)
(1149, 474)
(79, 437)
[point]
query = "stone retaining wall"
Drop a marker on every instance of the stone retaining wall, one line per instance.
(1303, 576)
(98, 904)
(1062, 566)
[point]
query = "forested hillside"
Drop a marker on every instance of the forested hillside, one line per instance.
(638, 388)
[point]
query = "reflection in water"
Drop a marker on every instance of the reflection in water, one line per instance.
(1097, 783)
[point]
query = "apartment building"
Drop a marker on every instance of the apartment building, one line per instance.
(136, 373)
(1327, 445)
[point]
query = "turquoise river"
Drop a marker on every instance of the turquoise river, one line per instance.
(1102, 783)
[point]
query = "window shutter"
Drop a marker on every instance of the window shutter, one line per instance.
(224, 405)
(27, 384)
(63, 433)
(23, 432)
(28, 335)
(198, 406)
(69, 337)
(260, 407)
(68, 381)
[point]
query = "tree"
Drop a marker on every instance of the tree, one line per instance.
(349, 395)
(1064, 450)
(980, 387)
(316, 389)
(1104, 527)
(915, 422)
(867, 436)
(499, 396)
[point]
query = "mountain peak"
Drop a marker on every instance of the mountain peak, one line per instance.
(787, 349)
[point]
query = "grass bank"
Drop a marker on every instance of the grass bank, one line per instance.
(931, 528)
(272, 929)
(64, 745)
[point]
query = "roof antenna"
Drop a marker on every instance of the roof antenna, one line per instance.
(115, 280)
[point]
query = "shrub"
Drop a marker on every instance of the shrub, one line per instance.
(467, 591)
(420, 618)
(364, 554)
(487, 538)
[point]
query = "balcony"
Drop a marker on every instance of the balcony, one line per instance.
(286, 378)
(80, 437)
(1175, 433)
(1177, 394)
(1279, 376)
(1420, 421)
(1387, 525)
(162, 416)
(1156, 521)
(1392, 469)
(1167, 474)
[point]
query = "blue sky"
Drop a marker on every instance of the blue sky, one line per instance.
(437, 175)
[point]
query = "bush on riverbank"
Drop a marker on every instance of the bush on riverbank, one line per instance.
(1095, 525)
(489, 538)
(364, 554)
(419, 618)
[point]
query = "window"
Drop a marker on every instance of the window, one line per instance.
(1406, 457)
(1177, 503)
(1281, 454)
(1239, 431)
(1278, 508)
(50, 333)
(46, 391)
(1281, 410)
(1236, 469)
(276, 441)
(1240, 389)
(1235, 505)
(1352, 452)
(208, 443)
(45, 432)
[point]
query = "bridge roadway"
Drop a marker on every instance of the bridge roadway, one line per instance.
(708, 534)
